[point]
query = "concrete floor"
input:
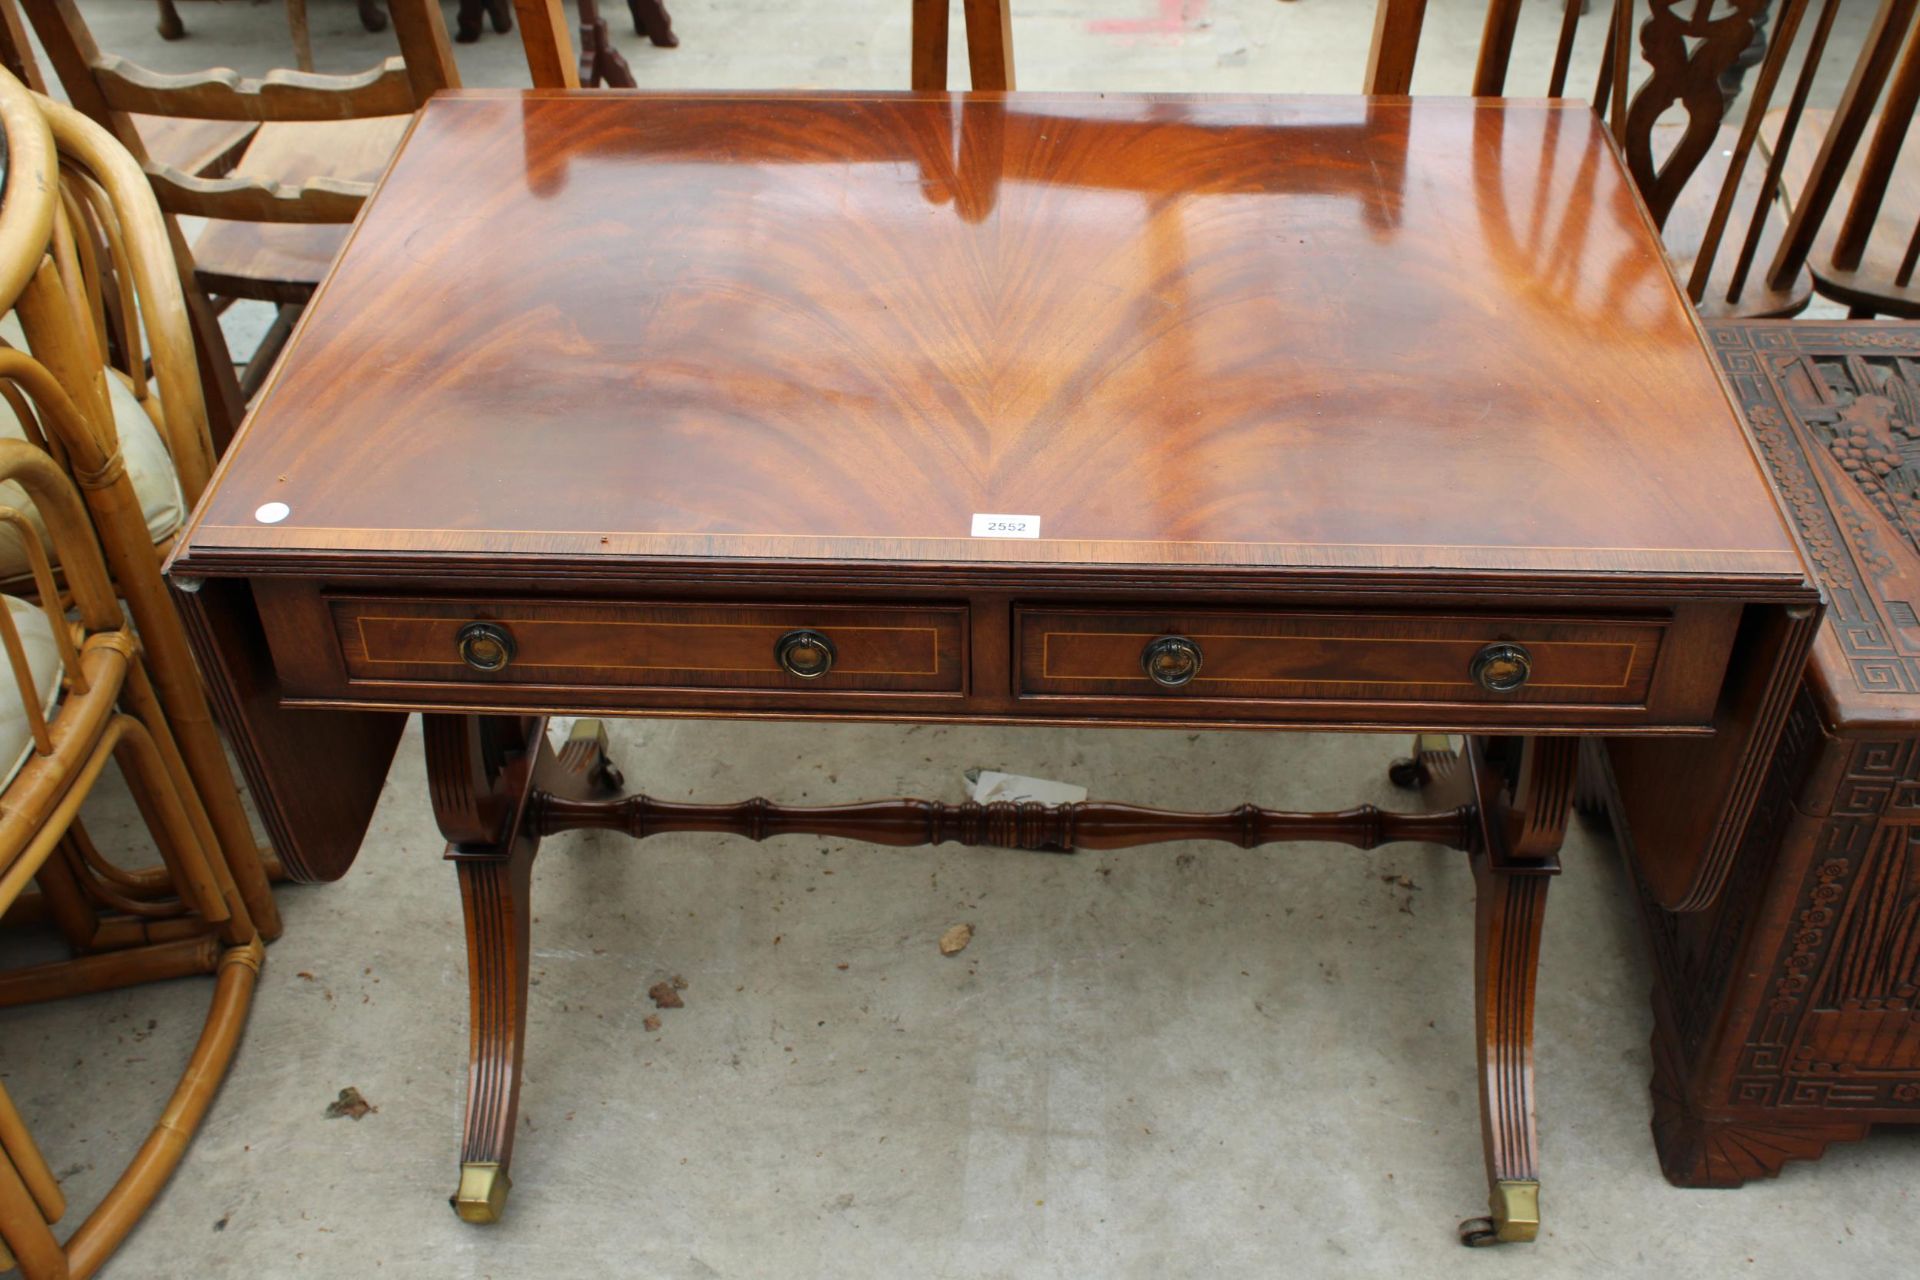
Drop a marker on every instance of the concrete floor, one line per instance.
(1179, 1061)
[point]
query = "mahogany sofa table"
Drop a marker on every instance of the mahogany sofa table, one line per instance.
(1090, 410)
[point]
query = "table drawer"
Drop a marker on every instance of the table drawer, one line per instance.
(671, 645)
(1308, 656)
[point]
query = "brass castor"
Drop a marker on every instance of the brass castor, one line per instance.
(1515, 1218)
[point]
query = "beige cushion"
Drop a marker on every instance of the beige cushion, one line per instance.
(43, 659)
(149, 466)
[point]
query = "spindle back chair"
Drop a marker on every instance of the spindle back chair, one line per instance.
(1866, 257)
(1669, 72)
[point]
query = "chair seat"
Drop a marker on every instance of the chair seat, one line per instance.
(142, 448)
(43, 660)
(283, 262)
(198, 148)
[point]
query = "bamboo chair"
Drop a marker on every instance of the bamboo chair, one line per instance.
(113, 265)
(279, 217)
(1694, 176)
(80, 696)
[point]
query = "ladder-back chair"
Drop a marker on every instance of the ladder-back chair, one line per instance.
(280, 214)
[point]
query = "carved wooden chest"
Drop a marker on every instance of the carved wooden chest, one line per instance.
(1787, 1015)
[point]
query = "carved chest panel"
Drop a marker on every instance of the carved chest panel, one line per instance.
(1789, 1012)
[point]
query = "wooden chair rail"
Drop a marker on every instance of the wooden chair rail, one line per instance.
(319, 200)
(220, 94)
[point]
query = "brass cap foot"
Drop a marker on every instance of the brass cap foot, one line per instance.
(1516, 1211)
(1515, 1219)
(482, 1196)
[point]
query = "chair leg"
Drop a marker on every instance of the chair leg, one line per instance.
(158, 1156)
(469, 21)
(651, 19)
(170, 26)
(204, 780)
(267, 355)
(219, 384)
(302, 39)
(24, 1233)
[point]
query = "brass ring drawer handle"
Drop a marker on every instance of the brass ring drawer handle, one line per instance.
(806, 654)
(1502, 668)
(485, 646)
(1171, 661)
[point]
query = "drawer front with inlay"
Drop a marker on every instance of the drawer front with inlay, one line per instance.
(695, 646)
(1293, 657)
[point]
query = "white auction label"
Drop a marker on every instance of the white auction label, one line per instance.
(991, 526)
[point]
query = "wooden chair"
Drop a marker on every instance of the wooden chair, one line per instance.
(1866, 257)
(204, 148)
(1692, 175)
(281, 213)
(75, 695)
(140, 450)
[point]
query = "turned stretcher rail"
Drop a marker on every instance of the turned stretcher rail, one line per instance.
(1006, 824)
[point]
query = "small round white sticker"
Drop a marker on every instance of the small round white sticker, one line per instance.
(273, 513)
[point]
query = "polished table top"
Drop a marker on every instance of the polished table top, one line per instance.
(1234, 332)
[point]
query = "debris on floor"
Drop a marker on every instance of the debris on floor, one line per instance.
(955, 940)
(651, 1022)
(1398, 881)
(349, 1104)
(989, 786)
(664, 996)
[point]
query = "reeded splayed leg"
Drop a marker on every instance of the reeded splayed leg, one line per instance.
(494, 899)
(1525, 790)
(479, 769)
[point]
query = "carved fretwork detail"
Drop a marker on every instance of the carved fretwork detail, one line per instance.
(1688, 46)
(1837, 416)
(1698, 1151)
